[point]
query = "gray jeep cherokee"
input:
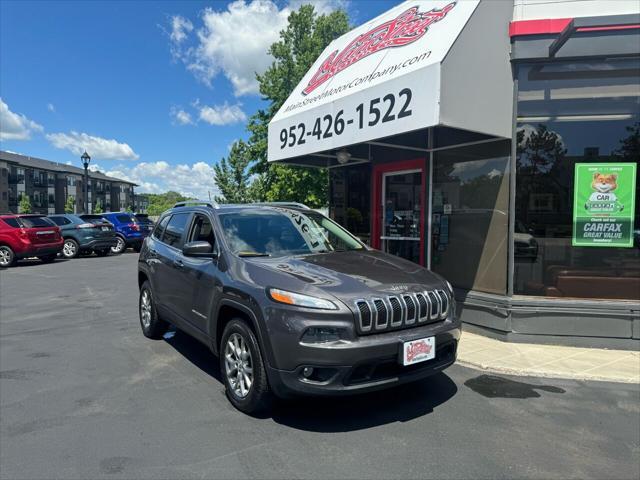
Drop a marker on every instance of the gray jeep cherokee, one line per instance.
(292, 303)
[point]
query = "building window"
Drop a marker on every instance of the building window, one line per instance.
(469, 224)
(568, 113)
(350, 199)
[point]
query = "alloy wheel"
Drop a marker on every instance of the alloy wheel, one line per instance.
(69, 249)
(119, 246)
(5, 257)
(238, 365)
(145, 308)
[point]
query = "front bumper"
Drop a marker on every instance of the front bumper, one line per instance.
(372, 363)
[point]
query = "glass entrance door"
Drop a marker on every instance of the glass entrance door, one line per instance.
(401, 214)
(399, 190)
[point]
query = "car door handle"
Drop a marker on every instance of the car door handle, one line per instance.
(178, 264)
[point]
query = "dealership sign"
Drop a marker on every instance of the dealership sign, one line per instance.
(380, 79)
(603, 205)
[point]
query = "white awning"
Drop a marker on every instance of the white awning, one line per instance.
(421, 64)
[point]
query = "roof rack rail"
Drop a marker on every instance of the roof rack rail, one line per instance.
(283, 204)
(206, 203)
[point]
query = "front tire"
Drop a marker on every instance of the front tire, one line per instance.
(7, 257)
(70, 248)
(120, 246)
(152, 325)
(242, 368)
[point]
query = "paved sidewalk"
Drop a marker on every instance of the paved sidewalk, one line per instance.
(552, 361)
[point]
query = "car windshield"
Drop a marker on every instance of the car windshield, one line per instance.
(277, 232)
(36, 222)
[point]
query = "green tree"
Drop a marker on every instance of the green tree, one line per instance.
(301, 43)
(25, 204)
(630, 145)
(98, 208)
(69, 205)
(159, 202)
(232, 176)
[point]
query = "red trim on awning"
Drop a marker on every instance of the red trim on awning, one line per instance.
(606, 28)
(538, 27)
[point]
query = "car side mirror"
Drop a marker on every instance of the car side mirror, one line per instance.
(199, 249)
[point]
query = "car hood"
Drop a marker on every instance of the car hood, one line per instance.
(346, 275)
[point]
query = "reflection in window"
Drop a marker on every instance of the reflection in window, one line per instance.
(572, 113)
(469, 216)
(175, 229)
(350, 203)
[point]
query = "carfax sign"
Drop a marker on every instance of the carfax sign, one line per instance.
(603, 204)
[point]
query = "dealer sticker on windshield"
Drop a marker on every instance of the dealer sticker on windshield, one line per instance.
(417, 351)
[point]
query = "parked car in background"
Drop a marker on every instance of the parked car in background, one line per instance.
(144, 219)
(130, 232)
(23, 236)
(83, 236)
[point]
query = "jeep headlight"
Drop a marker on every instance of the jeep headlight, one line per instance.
(300, 300)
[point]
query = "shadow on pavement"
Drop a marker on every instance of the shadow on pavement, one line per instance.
(358, 412)
(32, 262)
(336, 414)
(195, 352)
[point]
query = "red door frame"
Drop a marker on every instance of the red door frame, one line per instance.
(376, 188)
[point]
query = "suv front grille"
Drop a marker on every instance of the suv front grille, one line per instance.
(393, 312)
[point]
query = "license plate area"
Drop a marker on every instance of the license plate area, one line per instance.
(416, 351)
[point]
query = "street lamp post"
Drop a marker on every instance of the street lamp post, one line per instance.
(85, 161)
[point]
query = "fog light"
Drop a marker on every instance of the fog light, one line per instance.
(322, 334)
(307, 372)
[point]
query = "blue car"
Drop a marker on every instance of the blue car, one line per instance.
(130, 232)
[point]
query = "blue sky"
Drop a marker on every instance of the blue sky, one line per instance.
(155, 91)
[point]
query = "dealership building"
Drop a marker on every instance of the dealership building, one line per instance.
(495, 143)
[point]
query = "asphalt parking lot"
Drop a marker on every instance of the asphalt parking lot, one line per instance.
(83, 395)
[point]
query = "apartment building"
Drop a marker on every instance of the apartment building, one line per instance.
(49, 185)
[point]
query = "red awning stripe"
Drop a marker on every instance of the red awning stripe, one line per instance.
(605, 28)
(557, 25)
(538, 27)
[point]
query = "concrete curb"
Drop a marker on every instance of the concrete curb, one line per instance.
(543, 374)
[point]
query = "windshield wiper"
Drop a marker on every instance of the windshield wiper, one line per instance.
(253, 254)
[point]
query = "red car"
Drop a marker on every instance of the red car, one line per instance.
(23, 236)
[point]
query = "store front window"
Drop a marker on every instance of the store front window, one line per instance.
(568, 114)
(469, 223)
(350, 199)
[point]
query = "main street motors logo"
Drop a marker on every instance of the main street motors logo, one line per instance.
(402, 30)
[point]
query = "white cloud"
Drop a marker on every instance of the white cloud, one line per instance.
(180, 28)
(97, 147)
(180, 116)
(14, 126)
(195, 180)
(51, 107)
(222, 114)
(235, 41)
